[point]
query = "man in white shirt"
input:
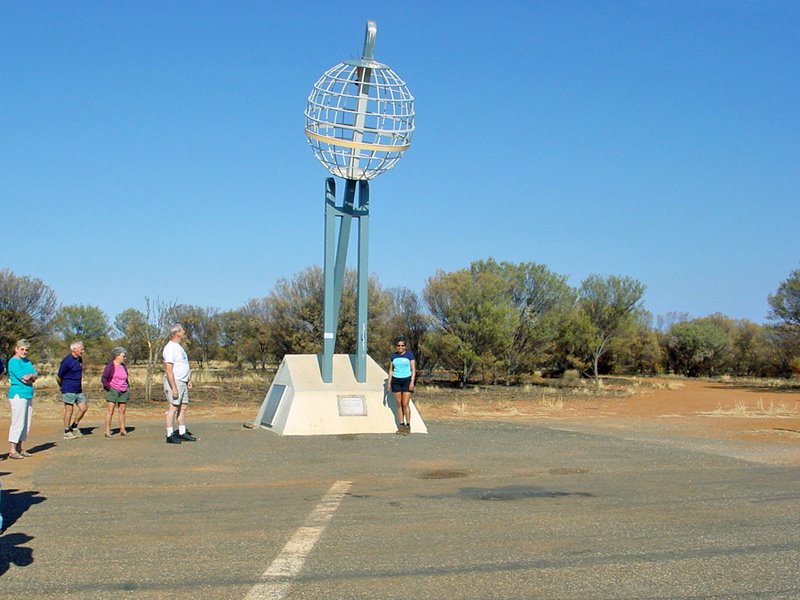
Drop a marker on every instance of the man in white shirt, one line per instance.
(177, 386)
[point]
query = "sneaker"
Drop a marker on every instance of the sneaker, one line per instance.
(70, 435)
(77, 433)
(174, 438)
(188, 437)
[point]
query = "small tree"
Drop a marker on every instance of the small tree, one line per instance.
(698, 347)
(88, 324)
(638, 350)
(293, 310)
(295, 314)
(231, 334)
(202, 328)
(751, 350)
(407, 318)
(27, 309)
(611, 305)
(256, 344)
(785, 316)
(785, 303)
(149, 331)
(131, 327)
(540, 298)
(473, 320)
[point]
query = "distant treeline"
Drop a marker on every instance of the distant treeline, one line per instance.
(493, 322)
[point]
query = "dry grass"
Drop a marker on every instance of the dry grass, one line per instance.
(742, 410)
(764, 382)
(491, 402)
(542, 397)
(554, 404)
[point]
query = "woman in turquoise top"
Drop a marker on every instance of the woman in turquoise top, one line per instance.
(21, 374)
(402, 373)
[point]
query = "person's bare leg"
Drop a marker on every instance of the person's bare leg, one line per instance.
(82, 408)
(67, 415)
(406, 408)
(171, 416)
(122, 407)
(398, 397)
(182, 415)
(109, 414)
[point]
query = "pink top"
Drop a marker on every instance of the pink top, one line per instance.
(119, 379)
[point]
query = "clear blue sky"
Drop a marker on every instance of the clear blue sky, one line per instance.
(157, 148)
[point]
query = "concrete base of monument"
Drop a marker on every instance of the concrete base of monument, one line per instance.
(300, 403)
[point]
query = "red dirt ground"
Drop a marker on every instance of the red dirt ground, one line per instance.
(708, 409)
(716, 410)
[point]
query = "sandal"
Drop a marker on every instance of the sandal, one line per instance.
(15, 455)
(25, 453)
(107, 434)
(123, 433)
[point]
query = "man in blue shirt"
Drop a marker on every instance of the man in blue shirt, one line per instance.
(70, 376)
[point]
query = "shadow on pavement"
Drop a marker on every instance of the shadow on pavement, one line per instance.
(42, 447)
(13, 552)
(14, 503)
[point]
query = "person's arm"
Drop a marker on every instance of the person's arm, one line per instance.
(391, 372)
(413, 375)
(60, 374)
(108, 373)
(170, 372)
(14, 371)
(32, 376)
(18, 372)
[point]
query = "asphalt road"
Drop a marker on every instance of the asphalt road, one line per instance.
(472, 510)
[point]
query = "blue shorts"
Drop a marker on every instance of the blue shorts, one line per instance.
(73, 398)
(401, 384)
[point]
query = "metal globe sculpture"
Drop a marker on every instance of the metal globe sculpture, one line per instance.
(360, 116)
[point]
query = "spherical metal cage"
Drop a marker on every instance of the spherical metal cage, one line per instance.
(359, 119)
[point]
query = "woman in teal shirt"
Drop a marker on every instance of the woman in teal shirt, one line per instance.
(402, 373)
(21, 374)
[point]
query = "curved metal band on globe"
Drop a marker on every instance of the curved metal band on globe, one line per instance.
(357, 145)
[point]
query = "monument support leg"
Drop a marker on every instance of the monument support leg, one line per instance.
(346, 216)
(362, 316)
(334, 267)
(329, 320)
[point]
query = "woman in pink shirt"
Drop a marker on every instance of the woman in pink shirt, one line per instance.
(115, 383)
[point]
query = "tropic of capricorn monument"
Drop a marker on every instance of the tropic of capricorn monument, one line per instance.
(359, 122)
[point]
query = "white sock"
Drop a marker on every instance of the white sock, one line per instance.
(181, 429)
(170, 430)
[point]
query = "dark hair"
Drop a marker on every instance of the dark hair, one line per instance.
(399, 339)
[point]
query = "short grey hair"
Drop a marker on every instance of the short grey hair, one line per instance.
(117, 351)
(22, 343)
(175, 329)
(75, 345)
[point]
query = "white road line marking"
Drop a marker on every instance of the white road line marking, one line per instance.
(276, 580)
